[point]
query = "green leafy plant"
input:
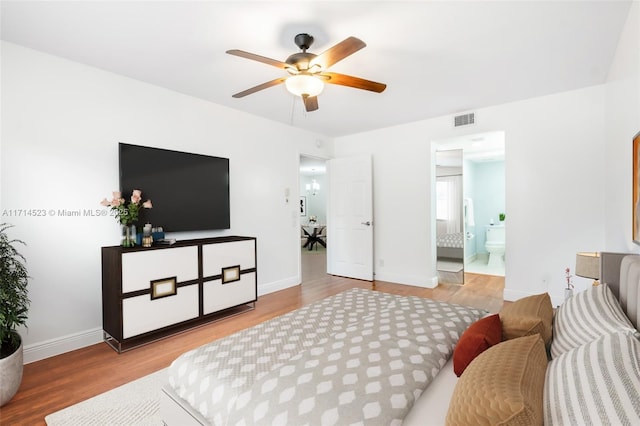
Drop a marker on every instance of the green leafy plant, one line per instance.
(14, 300)
(501, 216)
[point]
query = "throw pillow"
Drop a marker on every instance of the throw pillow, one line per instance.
(596, 383)
(527, 316)
(479, 337)
(587, 316)
(504, 385)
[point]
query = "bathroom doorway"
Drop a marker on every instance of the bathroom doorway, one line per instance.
(483, 202)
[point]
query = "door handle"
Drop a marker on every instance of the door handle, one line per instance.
(368, 223)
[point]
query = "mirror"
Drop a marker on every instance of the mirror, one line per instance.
(449, 217)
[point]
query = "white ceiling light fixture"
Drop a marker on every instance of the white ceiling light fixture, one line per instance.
(313, 186)
(304, 84)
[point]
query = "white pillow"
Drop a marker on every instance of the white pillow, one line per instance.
(596, 383)
(587, 316)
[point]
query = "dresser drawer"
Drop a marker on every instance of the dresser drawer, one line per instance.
(141, 314)
(141, 267)
(215, 257)
(217, 296)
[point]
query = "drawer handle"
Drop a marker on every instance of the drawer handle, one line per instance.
(163, 287)
(230, 274)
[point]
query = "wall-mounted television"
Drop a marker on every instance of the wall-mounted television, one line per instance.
(189, 192)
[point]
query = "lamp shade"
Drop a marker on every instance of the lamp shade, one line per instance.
(588, 265)
(304, 84)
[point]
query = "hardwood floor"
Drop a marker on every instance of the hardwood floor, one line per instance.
(58, 382)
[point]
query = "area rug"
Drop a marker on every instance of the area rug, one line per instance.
(134, 403)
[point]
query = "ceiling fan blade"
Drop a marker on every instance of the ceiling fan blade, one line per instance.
(310, 103)
(260, 87)
(338, 52)
(348, 80)
(254, 57)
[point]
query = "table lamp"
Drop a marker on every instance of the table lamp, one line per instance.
(588, 266)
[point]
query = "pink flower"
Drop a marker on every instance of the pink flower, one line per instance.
(136, 196)
(567, 272)
(126, 213)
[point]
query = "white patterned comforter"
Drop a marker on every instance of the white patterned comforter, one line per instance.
(454, 240)
(357, 357)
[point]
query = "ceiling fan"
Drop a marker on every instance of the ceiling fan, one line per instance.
(308, 72)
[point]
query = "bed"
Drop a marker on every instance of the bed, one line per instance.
(450, 245)
(361, 357)
(329, 354)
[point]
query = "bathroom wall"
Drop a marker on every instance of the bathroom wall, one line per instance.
(471, 226)
(488, 196)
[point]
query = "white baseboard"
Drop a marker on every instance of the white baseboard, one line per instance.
(434, 282)
(277, 285)
(68, 343)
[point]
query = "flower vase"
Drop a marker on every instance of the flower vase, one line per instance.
(568, 292)
(128, 235)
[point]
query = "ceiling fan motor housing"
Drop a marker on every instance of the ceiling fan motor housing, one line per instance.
(303, 41)
(300, 61)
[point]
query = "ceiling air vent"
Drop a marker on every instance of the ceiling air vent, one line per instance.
(464, 119)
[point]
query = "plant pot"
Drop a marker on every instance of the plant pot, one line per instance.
(11, 375)
(128, 235)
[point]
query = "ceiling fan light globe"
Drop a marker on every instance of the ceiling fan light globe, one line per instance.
(304, 84)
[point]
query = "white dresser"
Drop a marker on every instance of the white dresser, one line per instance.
(150, 293)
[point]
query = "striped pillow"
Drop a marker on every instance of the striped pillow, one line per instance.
(596, 383)
(587, 316)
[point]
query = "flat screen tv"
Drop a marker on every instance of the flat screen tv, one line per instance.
(189, 192)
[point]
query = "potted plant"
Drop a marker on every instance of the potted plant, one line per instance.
(568, 290)
(502, 217)
(14, 304)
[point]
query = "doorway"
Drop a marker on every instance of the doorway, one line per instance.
(313, 218)
(483, 202)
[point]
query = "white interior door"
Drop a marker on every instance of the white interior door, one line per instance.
(350, 217)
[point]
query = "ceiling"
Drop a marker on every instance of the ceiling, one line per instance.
(436, 57)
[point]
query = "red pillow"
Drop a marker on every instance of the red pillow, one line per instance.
(479, 337)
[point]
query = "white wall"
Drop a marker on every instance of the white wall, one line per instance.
(489, 198)
(554, 148)
(622, 123)
(316, 204)
(61, 124)
(568, 173)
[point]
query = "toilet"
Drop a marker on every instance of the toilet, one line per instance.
(495, 245)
